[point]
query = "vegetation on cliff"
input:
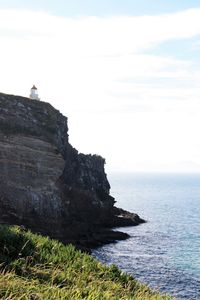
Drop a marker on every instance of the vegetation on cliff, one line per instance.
(35, 267)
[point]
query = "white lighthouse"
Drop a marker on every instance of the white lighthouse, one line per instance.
(34, 93)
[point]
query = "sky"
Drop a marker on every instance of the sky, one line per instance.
(126, 73)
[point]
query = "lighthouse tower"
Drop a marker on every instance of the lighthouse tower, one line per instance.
(34, 93)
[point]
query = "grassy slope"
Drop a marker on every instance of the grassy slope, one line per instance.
(35, 267)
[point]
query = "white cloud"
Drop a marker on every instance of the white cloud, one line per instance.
(95, 71)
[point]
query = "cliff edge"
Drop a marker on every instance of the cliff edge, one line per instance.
(46, 185)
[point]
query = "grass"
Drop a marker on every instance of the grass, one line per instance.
(35, 267)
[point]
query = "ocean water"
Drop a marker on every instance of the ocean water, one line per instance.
(164, 252)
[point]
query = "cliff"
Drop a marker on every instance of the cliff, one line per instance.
(46, 185)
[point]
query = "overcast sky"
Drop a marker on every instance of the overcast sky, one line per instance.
(126, 74)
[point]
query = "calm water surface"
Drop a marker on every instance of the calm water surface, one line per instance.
(165, 252)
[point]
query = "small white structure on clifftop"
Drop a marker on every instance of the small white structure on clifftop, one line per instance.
(34, 93)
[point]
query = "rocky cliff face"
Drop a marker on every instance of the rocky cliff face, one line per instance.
(45, 184)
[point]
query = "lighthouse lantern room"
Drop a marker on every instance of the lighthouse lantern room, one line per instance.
(34, 93)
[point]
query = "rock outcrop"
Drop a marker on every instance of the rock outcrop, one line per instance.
(46, 185)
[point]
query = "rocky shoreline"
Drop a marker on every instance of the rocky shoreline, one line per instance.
(102, 236)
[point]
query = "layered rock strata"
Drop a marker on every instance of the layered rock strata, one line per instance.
(46, 185)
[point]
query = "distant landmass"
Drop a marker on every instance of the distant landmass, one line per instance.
(46, 185)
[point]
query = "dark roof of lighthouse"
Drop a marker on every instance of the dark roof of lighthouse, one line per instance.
(34, 87)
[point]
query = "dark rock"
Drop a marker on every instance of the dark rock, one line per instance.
(125, 218)
(46, 185)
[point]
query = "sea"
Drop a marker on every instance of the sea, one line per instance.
(164, 252)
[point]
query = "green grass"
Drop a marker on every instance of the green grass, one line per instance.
(35, 267)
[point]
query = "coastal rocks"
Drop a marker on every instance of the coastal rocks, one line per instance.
(46, 185)
(125, 218)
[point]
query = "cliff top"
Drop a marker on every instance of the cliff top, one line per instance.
(20, 115)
